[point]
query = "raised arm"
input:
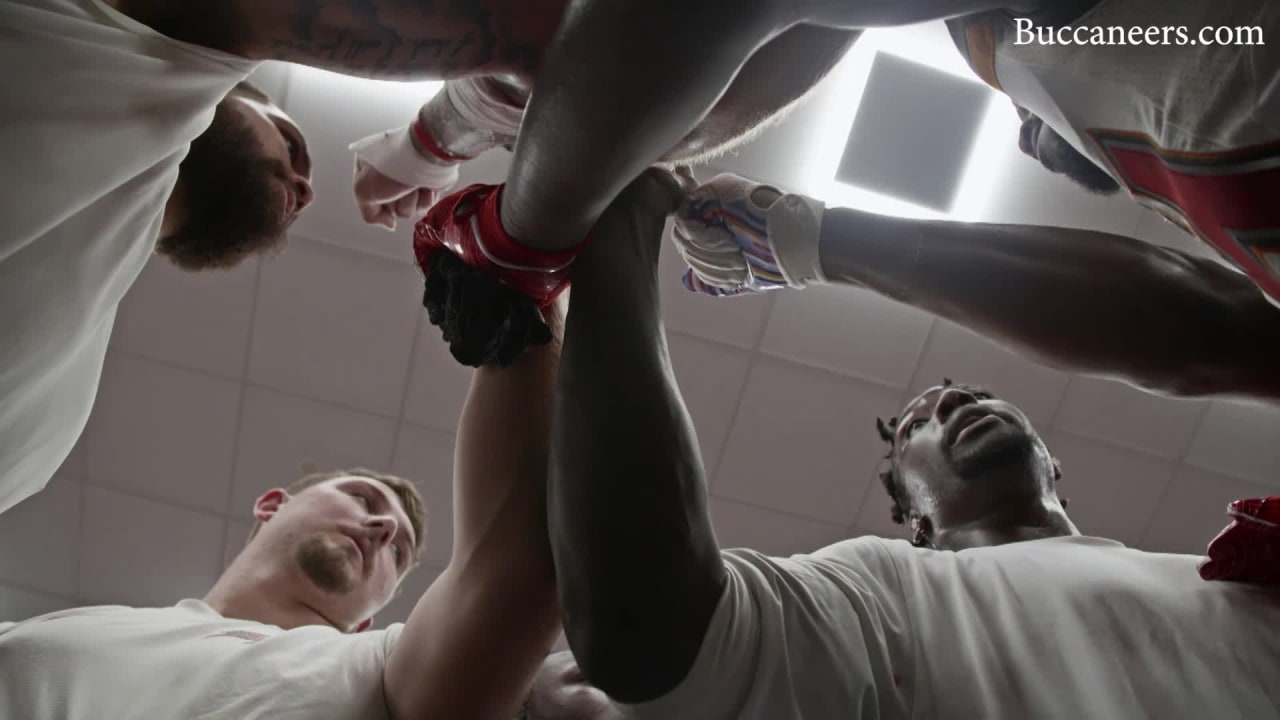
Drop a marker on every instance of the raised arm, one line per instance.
(1078, 300)
(638, 566)
(475, 640)
(401, 39)
(622, 81)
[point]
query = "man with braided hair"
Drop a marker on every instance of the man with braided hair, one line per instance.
(918, 502)
(1000, 608)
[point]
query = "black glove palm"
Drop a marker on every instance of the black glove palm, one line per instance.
(484, 321)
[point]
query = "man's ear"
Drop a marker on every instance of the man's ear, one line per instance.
(921, 530)
(268, 504)
(1057, 469)
(368, 623)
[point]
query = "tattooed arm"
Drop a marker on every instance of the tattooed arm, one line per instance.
(394, 39)
(402, 38)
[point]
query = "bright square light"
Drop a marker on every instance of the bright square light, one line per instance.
(986, 160)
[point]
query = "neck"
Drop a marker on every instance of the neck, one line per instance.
(250, 591)
(1039, 520)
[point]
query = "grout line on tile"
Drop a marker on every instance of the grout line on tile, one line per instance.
(924, 349)
(241, 403)
(80, 543)
(1179, 462)
(752, 357)
(24, 587)
(1062, 401)
(778, 511)
(135, 495)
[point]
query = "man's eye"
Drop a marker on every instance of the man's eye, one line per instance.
(914, 426)
(364, 501)
(983, 395)
(398, 553)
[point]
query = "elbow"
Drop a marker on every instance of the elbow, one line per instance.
(638, 639)
(1213, 334)
(629, 658)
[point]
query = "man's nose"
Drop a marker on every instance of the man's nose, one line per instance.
(951, 400)
(382, 529)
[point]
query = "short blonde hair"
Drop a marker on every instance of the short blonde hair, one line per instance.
(406, 492)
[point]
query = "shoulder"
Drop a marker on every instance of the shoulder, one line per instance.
(868, 562)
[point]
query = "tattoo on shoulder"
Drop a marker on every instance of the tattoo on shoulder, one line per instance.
(398, 38)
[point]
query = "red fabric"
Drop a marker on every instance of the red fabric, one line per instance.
(1248, 550)
(427, 143)
(453, 224)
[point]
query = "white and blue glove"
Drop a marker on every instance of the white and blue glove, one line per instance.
(738, 236)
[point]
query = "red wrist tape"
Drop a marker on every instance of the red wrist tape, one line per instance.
(425, 142)
(507, 252)
(469, 225)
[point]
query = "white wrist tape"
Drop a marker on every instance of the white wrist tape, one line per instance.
(477, 102)
(795, 224)
(392, 153)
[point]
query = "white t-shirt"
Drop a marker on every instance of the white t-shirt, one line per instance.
(1071, 627)
(187, 662)
(96, 114)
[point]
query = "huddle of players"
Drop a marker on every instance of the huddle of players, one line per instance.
(658, 617)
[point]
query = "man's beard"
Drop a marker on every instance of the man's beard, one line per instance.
(231, 196)
(1006, 445)
(327, 564)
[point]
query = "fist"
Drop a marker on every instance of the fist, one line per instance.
(741, 236)
(381, 199)
(722, 233)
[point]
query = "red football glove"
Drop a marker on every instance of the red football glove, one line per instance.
(1248, 550)
(467, 224)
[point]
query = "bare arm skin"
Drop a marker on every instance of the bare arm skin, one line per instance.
(390, 39)
(1078, 300)
(776, 77)
(638, 566)
(475, 641)
(623, 81)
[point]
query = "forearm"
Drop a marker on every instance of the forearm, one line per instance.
(638, 566)
(392, 39)
(614, 93)
(472, 115)
(475, 640)
(1078, 300)
(500, 466)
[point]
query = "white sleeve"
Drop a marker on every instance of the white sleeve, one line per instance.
(810, 637)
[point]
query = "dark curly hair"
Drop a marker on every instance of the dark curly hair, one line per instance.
(889, 475)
